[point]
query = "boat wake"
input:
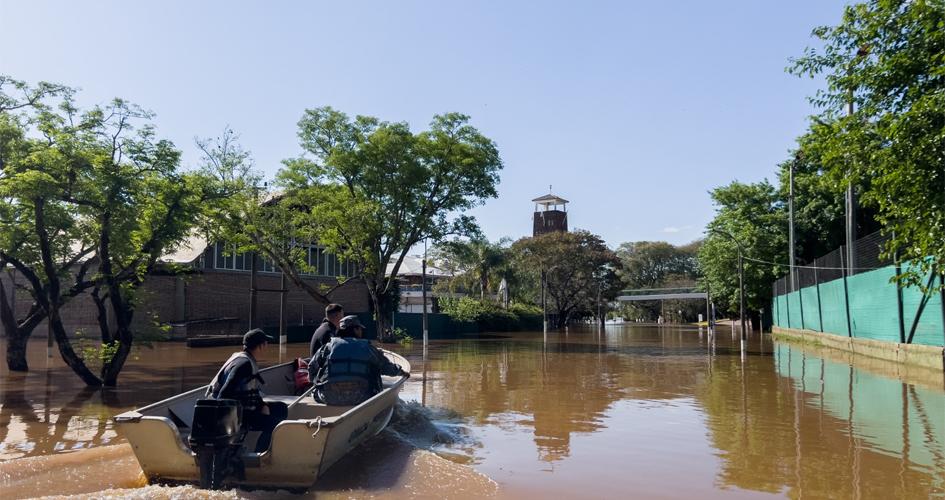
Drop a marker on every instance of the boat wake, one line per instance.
(423, 453)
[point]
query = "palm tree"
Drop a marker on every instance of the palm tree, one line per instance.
(476, 259)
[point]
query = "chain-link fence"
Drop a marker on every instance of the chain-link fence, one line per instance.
(860, 300)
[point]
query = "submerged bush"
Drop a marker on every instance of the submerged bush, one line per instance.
(490, 316)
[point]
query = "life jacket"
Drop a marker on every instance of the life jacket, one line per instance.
(351, 365)
(247, 391)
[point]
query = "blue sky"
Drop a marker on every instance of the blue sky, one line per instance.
(633, 111)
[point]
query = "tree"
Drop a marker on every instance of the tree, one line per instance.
(371, 190)
(652, 263)
(658, 264)
(885, 59)
(254, 219)
(818, 207)
(20, 108)
(476, 261)
(91, 200)
(576, 266)
(754, 216)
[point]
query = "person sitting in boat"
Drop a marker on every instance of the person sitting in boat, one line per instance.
(239, 379)
(347, 371)
(327, 329)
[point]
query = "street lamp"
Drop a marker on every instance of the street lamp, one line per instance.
(741, 285)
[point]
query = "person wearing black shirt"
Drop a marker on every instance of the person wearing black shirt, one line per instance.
(327, 329)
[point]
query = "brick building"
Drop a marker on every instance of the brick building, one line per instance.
(551, 215)
(213, 295)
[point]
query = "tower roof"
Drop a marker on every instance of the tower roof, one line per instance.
(550, 199)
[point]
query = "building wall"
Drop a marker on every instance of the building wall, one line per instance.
(550, 221)
(207, 295)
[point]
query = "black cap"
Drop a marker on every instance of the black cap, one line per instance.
(350, 321)
(255, 337)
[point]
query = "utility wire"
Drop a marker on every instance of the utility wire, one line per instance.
(813, 267)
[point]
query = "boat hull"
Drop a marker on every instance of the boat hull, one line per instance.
(304, 446)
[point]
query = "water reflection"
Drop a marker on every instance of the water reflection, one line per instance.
(817, 427)
(29, 427)
(49, 410)
(568, 387)
(594, 413)
(782, 421)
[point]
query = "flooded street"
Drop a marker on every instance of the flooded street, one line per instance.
(634, 411)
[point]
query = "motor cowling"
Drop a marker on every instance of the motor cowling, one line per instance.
(217, 423)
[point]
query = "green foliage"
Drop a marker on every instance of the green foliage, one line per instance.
(753, 215)
(401, 336)
(578, 269)
(370, 190)
(476, 263)
(90, 201)
(657, 264)
(95, 354)
(491, 316)
(886, 57)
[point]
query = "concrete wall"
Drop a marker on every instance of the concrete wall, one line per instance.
(925, 356)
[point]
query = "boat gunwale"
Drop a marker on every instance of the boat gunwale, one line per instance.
(136, 414)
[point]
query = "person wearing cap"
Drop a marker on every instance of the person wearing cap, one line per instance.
(327, 329)
(348, 369)
(239, 379)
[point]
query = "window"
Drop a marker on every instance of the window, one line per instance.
(322, 263)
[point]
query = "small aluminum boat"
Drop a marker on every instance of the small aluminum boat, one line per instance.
(304, 446)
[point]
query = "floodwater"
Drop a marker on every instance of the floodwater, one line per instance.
(633, 411)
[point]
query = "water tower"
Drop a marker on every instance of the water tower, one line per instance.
(551, 215)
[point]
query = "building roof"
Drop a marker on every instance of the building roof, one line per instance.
(550, 199)
(413, 266)
(187, 251)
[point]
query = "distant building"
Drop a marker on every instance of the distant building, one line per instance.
(212, 294)
(410, 277)
(551, 215)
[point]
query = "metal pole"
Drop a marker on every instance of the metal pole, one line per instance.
(741, 305)
(820, 309)
(423, 289)
(282, 306)
(791, 258)
(846, 295)
(600, 319)
(851, 211)
(708, 305)
(544, 309)
(941, 293)
(252, 291)
(899, 307)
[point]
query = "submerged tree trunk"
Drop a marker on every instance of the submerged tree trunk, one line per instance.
(17, 332)
(381, 323)
(124, 312)
(16, 351)
(68, 354)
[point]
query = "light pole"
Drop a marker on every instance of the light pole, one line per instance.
(741, 286)
(791, 220)
(423, 292)
(544, 309)
(850, 198)
(600, 319)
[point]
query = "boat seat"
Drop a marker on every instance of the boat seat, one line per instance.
(288, 399)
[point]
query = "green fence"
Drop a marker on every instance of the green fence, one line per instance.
(890, 415)
(867, 305)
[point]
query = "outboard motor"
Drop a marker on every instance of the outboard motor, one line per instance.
(216, 438)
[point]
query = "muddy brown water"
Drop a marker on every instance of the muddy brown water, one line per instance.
(634, 411)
